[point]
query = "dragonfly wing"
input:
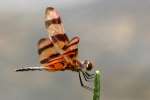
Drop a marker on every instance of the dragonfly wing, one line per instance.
(55, 28)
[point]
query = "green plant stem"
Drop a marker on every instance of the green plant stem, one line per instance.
(97, 86)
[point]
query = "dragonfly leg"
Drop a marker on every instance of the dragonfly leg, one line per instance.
(86, 77)
(84, 86)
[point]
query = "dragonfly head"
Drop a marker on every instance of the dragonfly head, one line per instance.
(87, 65)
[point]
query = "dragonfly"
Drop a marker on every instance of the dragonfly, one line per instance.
(58, 53)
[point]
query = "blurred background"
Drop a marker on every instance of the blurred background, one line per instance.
(114, 34)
